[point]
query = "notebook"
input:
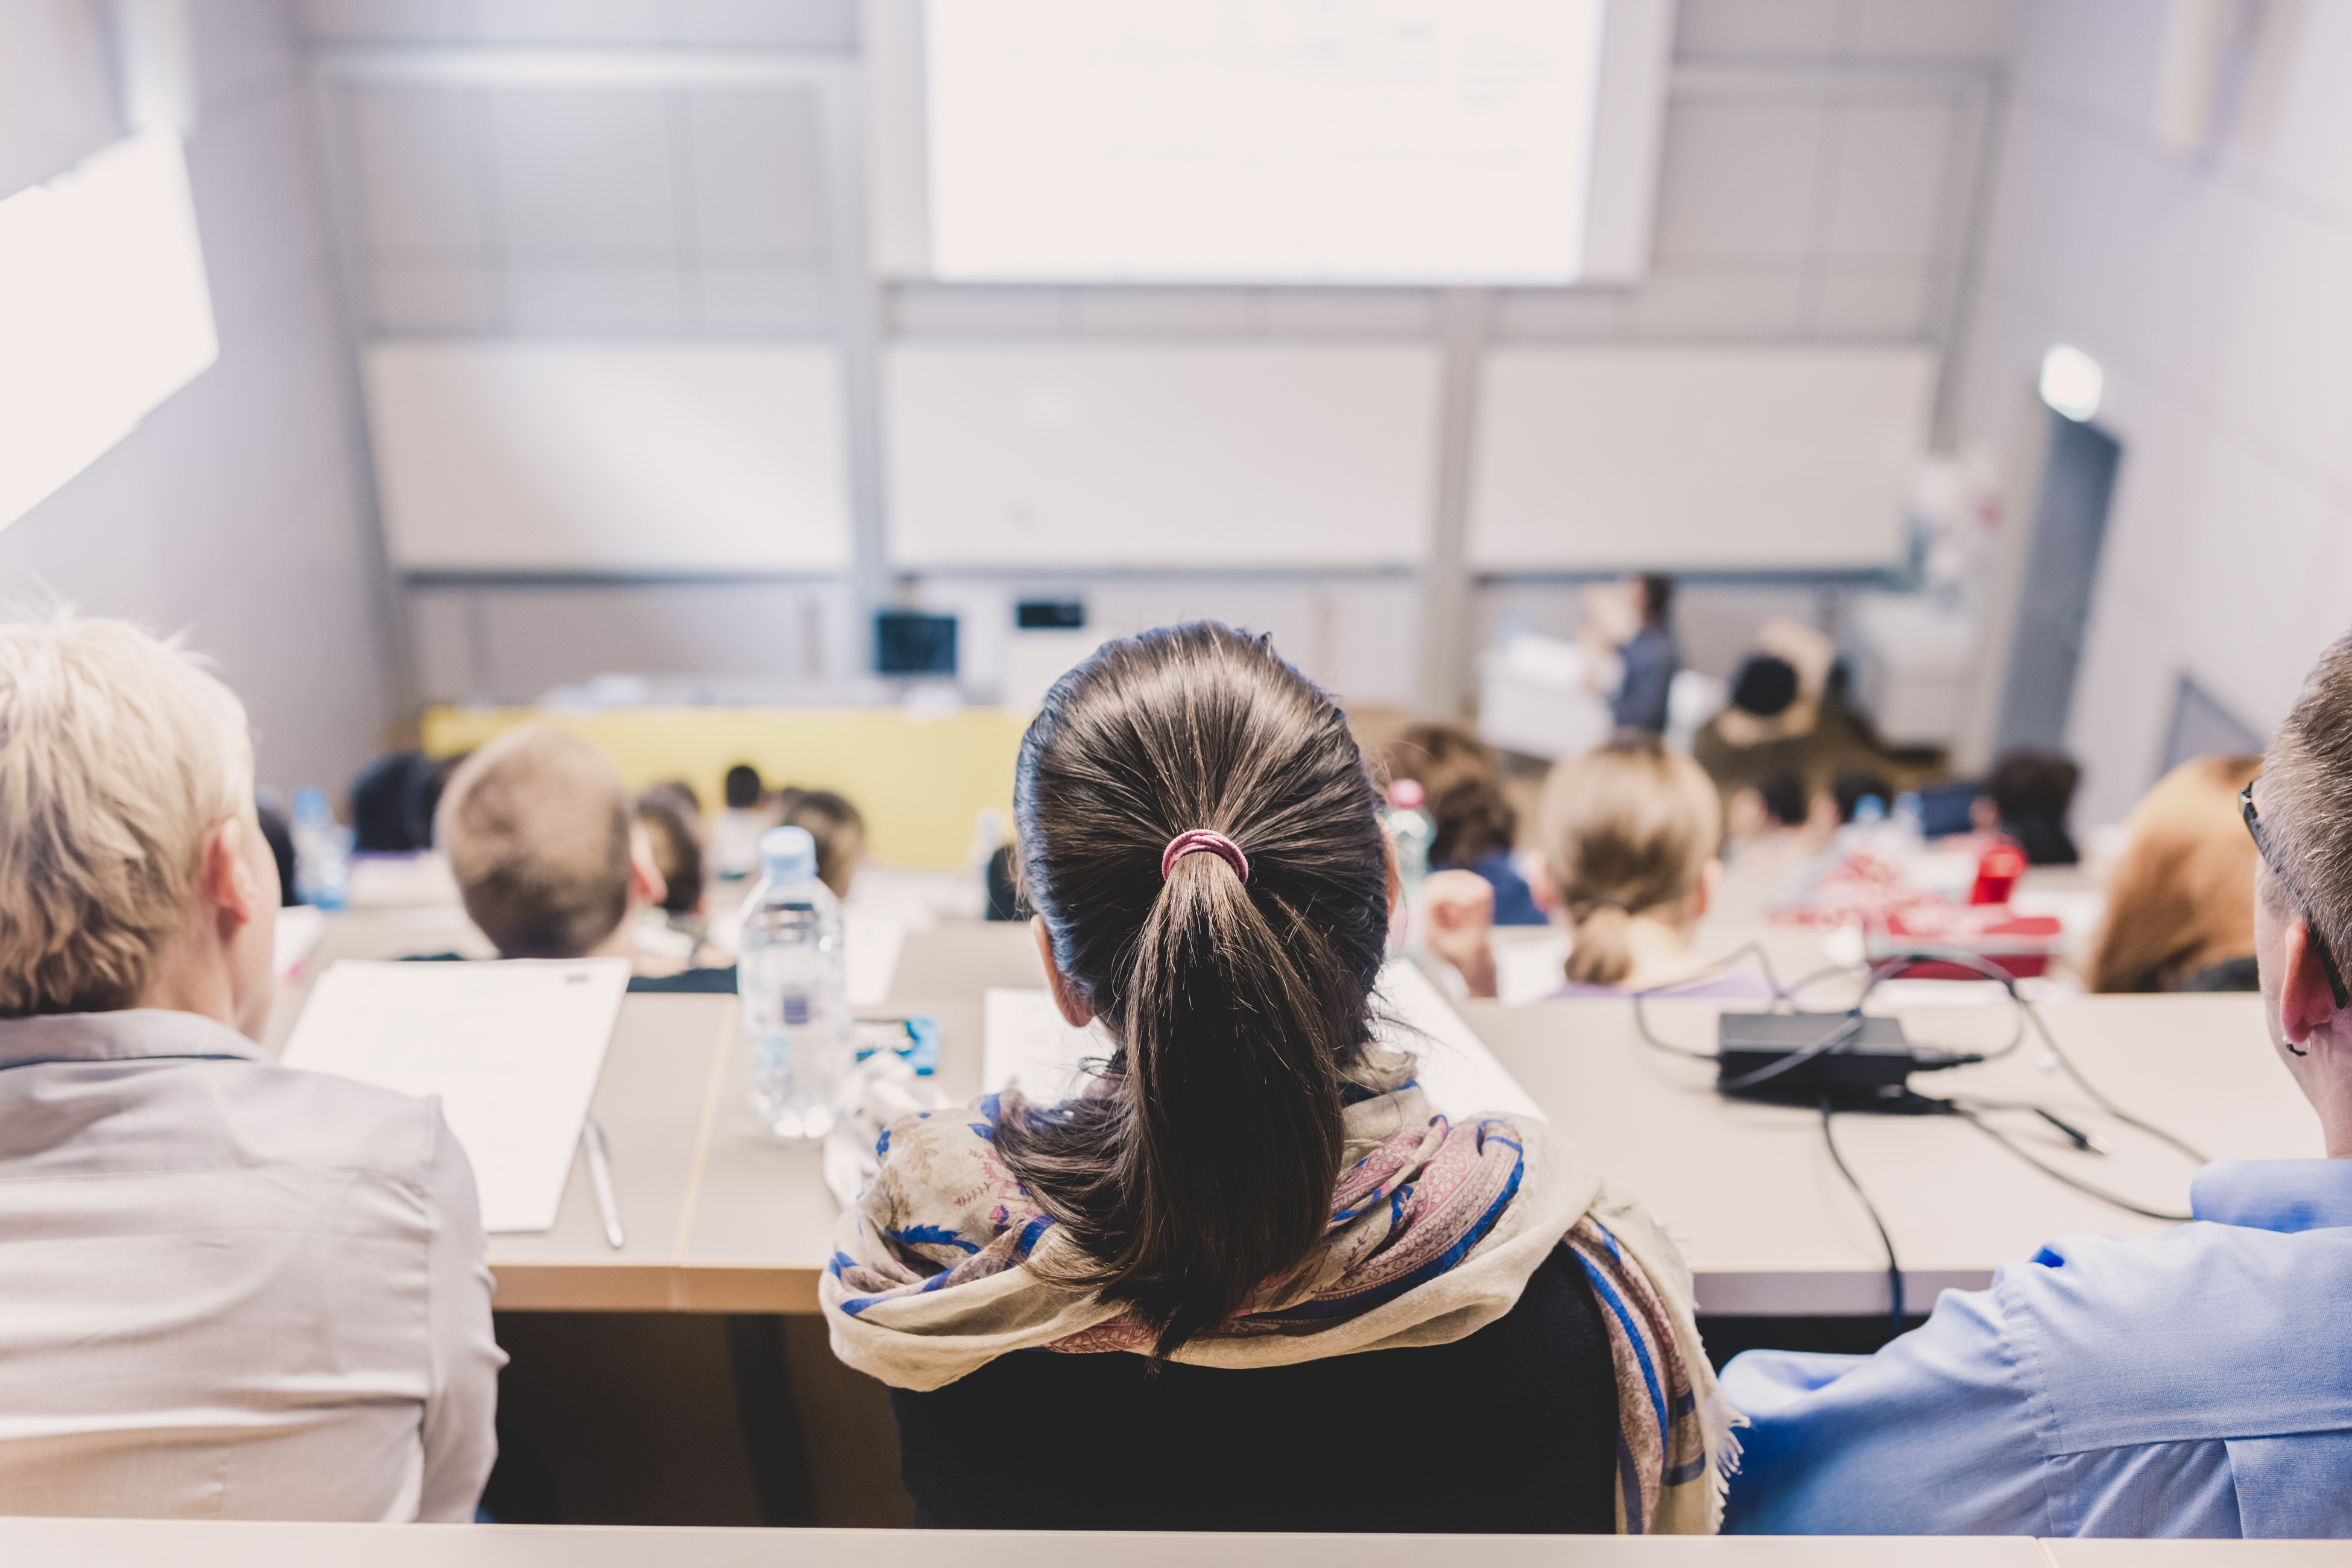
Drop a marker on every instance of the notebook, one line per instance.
(513, 1049)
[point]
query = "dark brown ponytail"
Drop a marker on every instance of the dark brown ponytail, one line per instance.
(1207, 1167)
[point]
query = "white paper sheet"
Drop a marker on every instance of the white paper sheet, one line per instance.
(1026, 1042)
(512, 1048)
(870, 953)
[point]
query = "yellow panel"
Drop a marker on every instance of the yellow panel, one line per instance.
(921, 783)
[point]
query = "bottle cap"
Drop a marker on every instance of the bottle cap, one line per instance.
(311, 804)
(788, 854)
(1406, 795)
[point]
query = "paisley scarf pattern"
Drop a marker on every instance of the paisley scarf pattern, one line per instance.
(1434, 1228)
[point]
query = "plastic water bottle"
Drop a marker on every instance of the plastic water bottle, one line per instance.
(1410, 826)
(322, 851)
(793, 980)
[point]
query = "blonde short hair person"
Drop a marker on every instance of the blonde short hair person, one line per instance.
(547, 848)
(234, 1290)
(1630, 833)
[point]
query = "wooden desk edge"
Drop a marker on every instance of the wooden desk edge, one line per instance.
(571, 1286)
(585, 1284)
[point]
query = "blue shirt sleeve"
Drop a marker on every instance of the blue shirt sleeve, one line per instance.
(1933, 1435)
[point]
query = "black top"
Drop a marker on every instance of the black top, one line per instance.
(700, 982)
(1513, 1429)
(2229, 974)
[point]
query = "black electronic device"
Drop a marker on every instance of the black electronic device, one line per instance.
(908, 642)
(1854, 1061)
(1049, 614)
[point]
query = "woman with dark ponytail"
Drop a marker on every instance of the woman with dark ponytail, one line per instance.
(1240, 1282)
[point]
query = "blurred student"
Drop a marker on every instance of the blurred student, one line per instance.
(839, 832)
(551, 857)
(1629, 833)
(1461, 790)
(2032, 793)
(735, 836)
(2180, 904)
(234, 1290)
(1777, 690)
(676, 849)
(1773, 825)
(2190, 1384)
(1253, 1233)
(1649, 658)
(1851, 786)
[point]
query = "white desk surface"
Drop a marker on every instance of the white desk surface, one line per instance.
(1769, 1226)
(141, 1543)
(720, 1219)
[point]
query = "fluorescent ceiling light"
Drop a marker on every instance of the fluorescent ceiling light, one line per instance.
(104, 312)
(2070, 381)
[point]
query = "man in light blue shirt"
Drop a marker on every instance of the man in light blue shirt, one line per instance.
(2199, 1382)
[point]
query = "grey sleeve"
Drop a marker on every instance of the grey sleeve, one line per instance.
(461, 1408)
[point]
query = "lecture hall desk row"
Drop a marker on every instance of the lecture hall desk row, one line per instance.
(720, 1218)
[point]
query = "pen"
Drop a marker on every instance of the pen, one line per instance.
(600, 1172)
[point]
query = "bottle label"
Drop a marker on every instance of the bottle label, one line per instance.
(796, 1009)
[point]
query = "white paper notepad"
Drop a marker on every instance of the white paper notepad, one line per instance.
(1027, 1043)
(512, 1048)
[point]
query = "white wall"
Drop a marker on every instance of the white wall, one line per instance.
(2215, 288)
(233, 513)
(1816, 174)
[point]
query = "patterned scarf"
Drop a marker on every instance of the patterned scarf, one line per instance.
(1435, 1228)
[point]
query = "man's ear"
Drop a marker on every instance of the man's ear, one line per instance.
(225, 881)
(2306, 1002)
(647, 886)
(1076, 1009)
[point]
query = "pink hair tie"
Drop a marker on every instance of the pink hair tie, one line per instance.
(1184, 844)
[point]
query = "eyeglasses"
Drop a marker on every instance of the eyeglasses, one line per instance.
(2318, 943)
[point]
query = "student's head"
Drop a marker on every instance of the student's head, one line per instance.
(1782, 796)
(133, 871)
(1206, 1168)
(1765, 685)
(2303, 897)
(839, 832)
(545, 846)
(1629, 830)
(744, 787)
(2032, 792)
(1461, 790)
(669, 820)
(2182, 896)
(1654, 594)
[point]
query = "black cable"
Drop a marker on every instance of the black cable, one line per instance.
(2103, 1103)
(2014, 1147)
(1894, 1269)
(1895, 964)
(1642, 1019)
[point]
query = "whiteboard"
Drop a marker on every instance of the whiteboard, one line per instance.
(1715, 459)
(1159, 456)
(659, 457)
